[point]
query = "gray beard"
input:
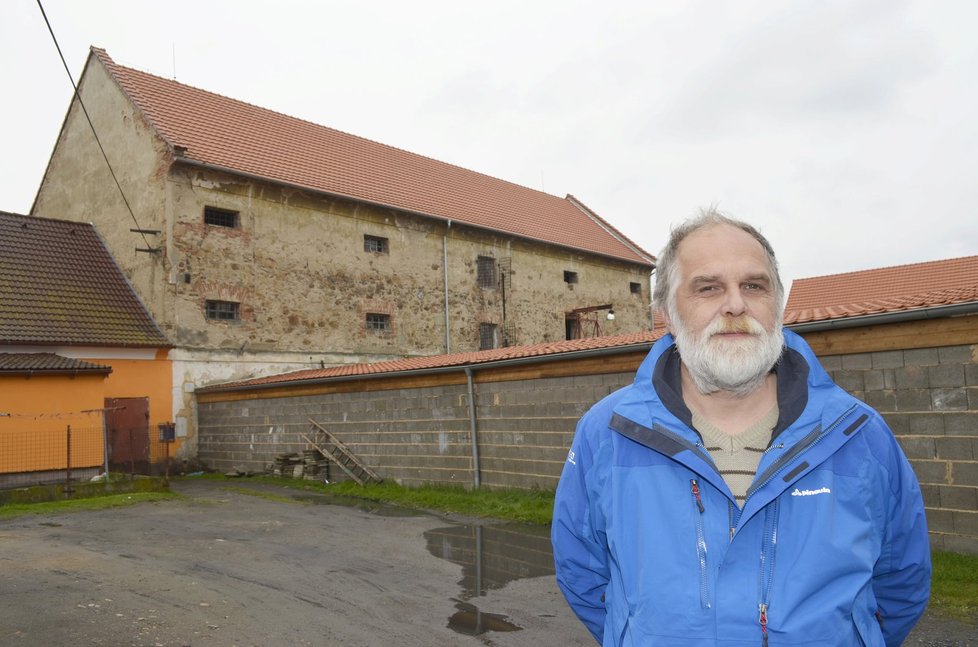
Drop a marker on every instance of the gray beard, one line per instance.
(725, 365)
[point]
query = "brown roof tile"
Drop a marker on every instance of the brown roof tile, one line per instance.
(47, 363)
(455, 360)
(60, 285)
(884, 290)
(240, 137)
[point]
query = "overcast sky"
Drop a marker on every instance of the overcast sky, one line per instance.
(847, 131)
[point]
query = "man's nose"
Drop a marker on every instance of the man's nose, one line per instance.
(733, 303)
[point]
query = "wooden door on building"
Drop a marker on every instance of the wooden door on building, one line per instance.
(127, 429)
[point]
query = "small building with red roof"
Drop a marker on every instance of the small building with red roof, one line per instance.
(79, 354)
(263, 243)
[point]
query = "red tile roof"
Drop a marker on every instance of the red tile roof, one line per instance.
(60, 285)
(214, 130)
(642, 340)
(20, 363)
(884, 290)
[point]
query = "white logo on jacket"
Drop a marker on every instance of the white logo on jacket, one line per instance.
(823, 490)
(570, 457)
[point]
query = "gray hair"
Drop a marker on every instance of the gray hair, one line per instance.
(666, 279)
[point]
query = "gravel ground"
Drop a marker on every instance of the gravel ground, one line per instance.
(222, 567)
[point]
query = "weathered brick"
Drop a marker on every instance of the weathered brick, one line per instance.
(857, 361)
(955, 448)
(965, 473)
(940, 520)
(899, 423)
(888, 359)
(928, 424)
(961, 354)
(933, 472)
(931, 495)
(958, 544)
(961, 423)
(958, 498)
(831, 363)
(849, 380)
(882, 401)
(911, 377)
(913, 400)
(971, 374)
(873, 380)
(965, 523)
(918, 447)
(949, 399)
(946, 375)
(921, 357)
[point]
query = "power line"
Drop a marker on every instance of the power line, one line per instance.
(92, 126)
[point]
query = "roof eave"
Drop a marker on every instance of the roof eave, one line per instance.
(918, 314)
(454, 368)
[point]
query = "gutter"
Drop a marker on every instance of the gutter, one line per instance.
(938, 312)
(455, 368)
(262, 178)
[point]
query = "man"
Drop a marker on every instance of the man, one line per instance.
(733, 494)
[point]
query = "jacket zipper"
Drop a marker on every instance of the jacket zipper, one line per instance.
(701, 545)
(769, 547)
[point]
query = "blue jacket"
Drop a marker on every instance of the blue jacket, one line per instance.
(829, 549)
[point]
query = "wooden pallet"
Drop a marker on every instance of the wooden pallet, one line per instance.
(331, 447)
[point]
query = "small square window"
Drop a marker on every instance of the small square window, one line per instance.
(570, 277)
(222, 310)
(375, 244)
(488, 336)
(378, 322)
(487, 272)
(635, 288)
(220, 217)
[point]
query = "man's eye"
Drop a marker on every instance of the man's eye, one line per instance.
(753, 286)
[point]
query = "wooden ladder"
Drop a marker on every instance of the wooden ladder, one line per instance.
(331, 447)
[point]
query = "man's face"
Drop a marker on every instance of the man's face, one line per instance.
(725, 313)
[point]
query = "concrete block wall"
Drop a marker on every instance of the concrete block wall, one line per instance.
(929, 397)
(415, 436)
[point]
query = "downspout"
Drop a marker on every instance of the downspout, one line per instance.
(472, 427)
(444, 264)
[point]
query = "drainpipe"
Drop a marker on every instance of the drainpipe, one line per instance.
(444, 264)
(472, 428)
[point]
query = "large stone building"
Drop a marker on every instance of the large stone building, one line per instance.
(263, 243)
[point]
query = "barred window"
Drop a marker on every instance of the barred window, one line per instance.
(222, 310)
(378, 322)
(488, 336)
(487, 274)
(220, 217)
(376, 244)
(570, 277)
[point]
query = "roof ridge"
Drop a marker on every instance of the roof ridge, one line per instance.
(104, 56)
(887, 267)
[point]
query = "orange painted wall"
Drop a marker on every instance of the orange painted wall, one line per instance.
(34, 434)
(132, 378)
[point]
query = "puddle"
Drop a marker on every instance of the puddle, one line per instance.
(472, 622)
(490, 557)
